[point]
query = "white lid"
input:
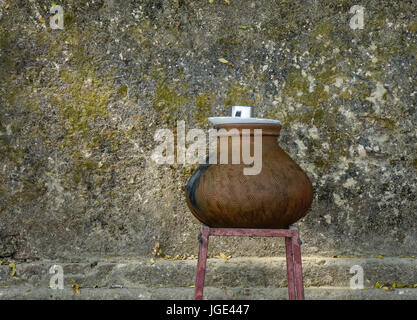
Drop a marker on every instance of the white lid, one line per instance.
(226, 120)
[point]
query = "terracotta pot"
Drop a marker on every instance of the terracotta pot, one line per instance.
(220, 195)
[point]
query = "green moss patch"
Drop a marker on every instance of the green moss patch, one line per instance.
(203, 103)
(167, 100)
(238, 94)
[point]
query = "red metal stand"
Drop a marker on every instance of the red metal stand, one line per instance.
(292, 248)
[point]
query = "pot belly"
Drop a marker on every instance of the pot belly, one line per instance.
(222, 196)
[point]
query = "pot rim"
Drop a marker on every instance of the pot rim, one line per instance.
(236, 120)
(268, 129)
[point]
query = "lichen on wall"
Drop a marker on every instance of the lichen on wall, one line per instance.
(79, 108)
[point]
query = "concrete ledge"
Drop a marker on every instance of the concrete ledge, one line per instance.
(211, 293)
(234, 272)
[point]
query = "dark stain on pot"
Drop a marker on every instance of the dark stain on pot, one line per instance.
(193, 183)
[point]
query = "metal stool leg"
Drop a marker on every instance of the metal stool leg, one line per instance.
(293, 255)
(296, 242)
(290, 268)
(201, 264)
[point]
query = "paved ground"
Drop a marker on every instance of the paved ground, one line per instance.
(255, 293)
(235, 278)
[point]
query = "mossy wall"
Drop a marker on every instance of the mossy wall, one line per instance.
(79, 107)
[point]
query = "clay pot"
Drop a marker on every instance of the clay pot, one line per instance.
(220, 195)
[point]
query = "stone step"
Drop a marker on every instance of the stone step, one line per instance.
(234, 272)
(210, 293)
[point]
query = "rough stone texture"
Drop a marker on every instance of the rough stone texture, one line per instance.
(79, 107)
(248, 272)
(236, 278)
(210, 293)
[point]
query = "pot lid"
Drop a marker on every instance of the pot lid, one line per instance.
(234, 120)
(242, 115)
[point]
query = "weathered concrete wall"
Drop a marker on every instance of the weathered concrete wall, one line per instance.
(79, 107)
